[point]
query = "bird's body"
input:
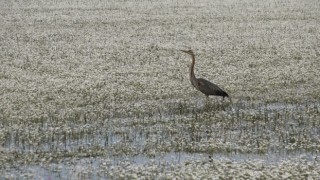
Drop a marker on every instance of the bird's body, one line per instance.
(208, 88)
(203, 85)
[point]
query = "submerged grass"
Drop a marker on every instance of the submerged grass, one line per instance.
(95, 82)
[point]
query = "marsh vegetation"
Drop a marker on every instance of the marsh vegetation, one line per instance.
(100, 90)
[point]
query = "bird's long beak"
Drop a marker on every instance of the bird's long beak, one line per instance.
(184, 51)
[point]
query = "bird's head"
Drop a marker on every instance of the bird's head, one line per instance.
(188, 52)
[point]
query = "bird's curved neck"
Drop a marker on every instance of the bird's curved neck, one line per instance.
(192, 76)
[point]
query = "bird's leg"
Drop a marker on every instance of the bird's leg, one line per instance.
(230, 100)
(207, 101)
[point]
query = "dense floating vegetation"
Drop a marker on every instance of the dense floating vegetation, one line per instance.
(100, 90)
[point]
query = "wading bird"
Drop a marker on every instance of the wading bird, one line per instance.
(204, 86)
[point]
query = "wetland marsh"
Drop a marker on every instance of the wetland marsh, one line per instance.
(100, 90)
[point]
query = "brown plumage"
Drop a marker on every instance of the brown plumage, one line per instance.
(204, 86)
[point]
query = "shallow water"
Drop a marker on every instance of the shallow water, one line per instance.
(94, 168)
(177, 134)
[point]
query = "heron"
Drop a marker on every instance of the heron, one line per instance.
(203, 85)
